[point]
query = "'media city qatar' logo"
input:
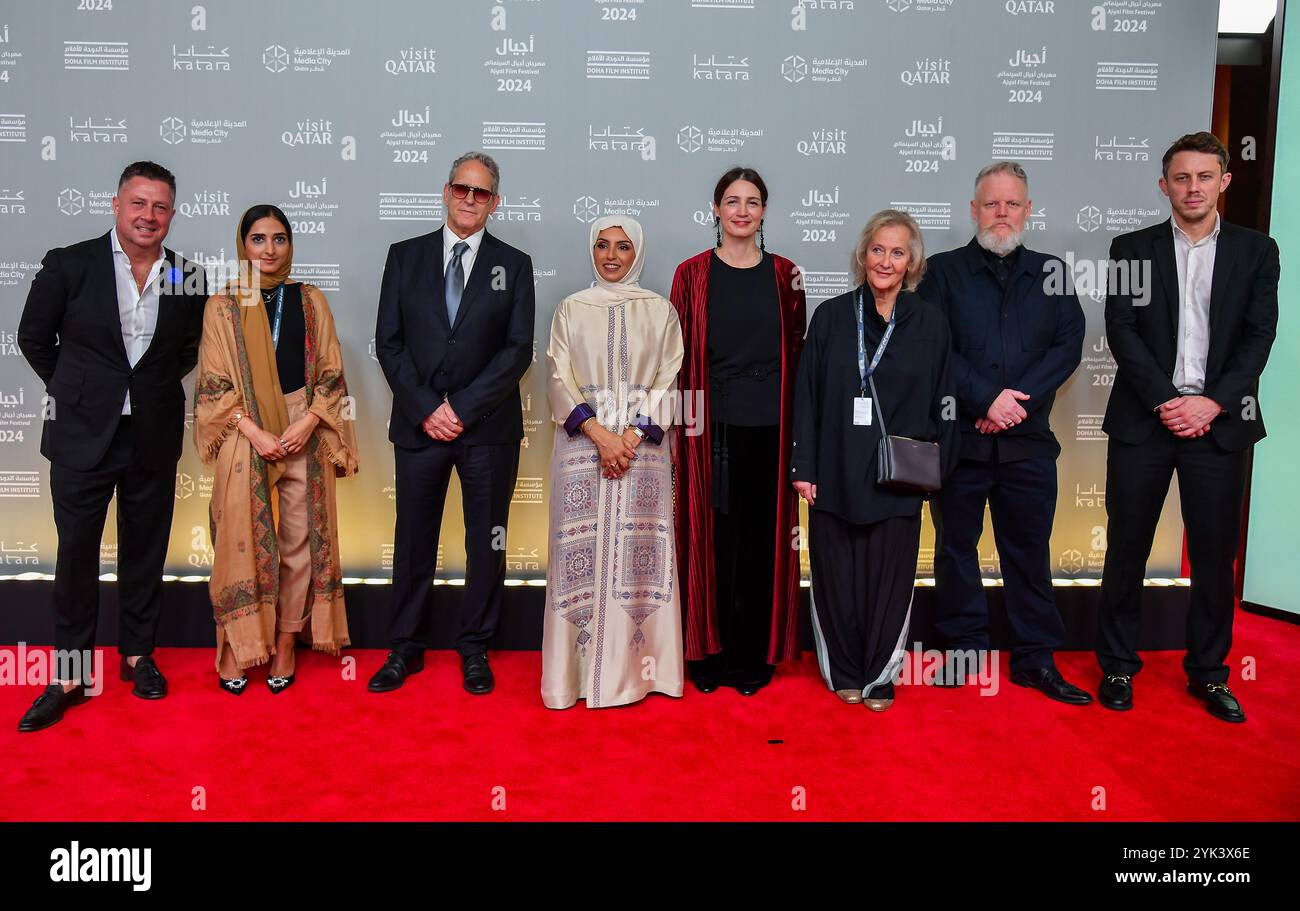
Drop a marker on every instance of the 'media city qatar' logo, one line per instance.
(172, 130)
(794, 68)
(586, 209)
(71, 202)
(1089, 219)
(275, 58)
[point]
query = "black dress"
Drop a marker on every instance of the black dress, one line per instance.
(744, 346)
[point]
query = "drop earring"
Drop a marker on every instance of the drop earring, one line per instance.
(717, 223)
(762, 244)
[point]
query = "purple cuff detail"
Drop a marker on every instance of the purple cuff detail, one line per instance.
(576, 417)
(650, 429)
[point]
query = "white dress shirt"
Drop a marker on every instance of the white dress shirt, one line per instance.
(1195, 273)
(449, 240)
(137, 311)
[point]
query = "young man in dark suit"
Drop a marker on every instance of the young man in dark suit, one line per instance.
(1185, 399)
(454, 336)
(112, 326)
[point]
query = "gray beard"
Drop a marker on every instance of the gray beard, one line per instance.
(999, 246)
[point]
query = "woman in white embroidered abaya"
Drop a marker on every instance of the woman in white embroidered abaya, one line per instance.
(612, 631)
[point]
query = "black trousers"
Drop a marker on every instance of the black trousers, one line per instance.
(1210, 487)
(1021, 496)
(487, 480)
(863, 577)
(145, 498)
(744, 536)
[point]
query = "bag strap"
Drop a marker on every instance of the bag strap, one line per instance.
(875, 398)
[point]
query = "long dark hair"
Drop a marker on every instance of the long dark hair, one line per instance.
(264, 210)
(735, 174)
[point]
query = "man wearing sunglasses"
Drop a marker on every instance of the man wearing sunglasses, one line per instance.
(454, 336)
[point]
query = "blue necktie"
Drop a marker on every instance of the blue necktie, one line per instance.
(453, 281)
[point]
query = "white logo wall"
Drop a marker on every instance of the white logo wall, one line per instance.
(347, 114)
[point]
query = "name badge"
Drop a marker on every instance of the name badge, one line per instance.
(861, 412)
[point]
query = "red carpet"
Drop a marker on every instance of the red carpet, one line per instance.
(329, 750)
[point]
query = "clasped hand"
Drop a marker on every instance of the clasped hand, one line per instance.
(1189, 416)
(616, 452)
(293, 440)
(443, 424)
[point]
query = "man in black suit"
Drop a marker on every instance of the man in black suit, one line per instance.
(112, 326)
(1185, 399)
(454, 336)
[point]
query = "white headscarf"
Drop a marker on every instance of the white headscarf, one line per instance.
(606, 293)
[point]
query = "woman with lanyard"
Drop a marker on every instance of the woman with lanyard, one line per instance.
(270, 414)
(743, 315)
(878, 342)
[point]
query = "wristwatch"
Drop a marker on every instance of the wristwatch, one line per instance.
(235, 419)
(641, 434)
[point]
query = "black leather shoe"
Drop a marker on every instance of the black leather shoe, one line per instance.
(149, 681)
(478, 676)
(1116, 692)
(1049, 682)
(957, 667)
(704, 683)
(395, 671)
(1218, 700)
(50, 705)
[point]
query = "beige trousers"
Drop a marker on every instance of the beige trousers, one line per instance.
(290, 506)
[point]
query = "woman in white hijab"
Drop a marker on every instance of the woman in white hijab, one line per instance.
(612, 631)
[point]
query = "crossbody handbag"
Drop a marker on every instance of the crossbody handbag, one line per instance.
(901, 462)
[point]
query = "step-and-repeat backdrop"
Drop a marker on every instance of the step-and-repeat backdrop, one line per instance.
(346, 114)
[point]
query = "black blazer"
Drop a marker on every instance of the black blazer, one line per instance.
(1143, 339)
(71, 334)
(476, 364)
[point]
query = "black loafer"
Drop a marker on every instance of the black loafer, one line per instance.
(396, 669)
(50, 705)
(477, 674)
(149, 681)
(1116, 692)
(1218, 700)
(1049, 682)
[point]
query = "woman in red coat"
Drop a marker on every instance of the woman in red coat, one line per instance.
(743, 316)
